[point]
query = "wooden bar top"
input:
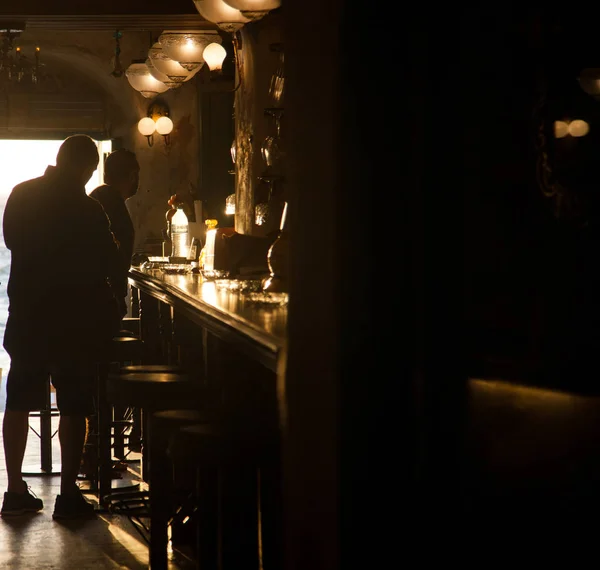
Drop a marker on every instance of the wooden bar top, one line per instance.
(256, 329)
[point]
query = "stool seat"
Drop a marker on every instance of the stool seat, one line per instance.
(221, 445)
(144, 368)
(131, 325)
(179, 417)
(126, 349)
(151, 390)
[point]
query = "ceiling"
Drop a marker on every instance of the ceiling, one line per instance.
(126, 15)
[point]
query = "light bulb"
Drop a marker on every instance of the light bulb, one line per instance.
(561, 129)
(164, 126)
(214, 54)
(578, 128)
(146, 126)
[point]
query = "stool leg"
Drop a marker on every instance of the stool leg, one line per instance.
(118, 413)
(160, 494)
(135, 436)
(46, 433)
(240, 517)
(104, 439)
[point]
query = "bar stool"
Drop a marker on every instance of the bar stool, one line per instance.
(214, 449)
(98, 454)
(159, 501)
(133, 421)
(148, 392)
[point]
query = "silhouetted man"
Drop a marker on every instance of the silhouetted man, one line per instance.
(62, 315)
(122, 178)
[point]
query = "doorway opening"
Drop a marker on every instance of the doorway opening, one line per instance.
(22, 160)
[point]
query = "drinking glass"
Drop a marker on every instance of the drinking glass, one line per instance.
(277, 79)
(271, 149)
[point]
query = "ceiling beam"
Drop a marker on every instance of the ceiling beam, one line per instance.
(12, 10)
(124, 22)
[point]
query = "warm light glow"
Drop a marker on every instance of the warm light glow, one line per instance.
(214, 54)
(164, 125)
(146, 126)
(134, 547)
(217, 12)
(254, 9)
(186, 47)
(166, 65)
(578, 128)
(141, 80)
(561, 129)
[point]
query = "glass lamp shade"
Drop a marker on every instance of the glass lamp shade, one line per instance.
(161, 76)
(214, 55)
(164, 125)
(254, 9)
(193, 73)
(141, 80)
(166, 65)
(216, 11)
(146, 126)
(589, 80)
(186, 47)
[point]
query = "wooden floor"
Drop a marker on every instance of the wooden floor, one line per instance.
(36, 542)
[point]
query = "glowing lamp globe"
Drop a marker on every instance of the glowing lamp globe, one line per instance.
(164, 126)
(214, 55)
(146, 126)
(578, 128)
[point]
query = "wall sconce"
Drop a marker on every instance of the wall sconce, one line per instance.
(576, 128)
(254, 9)
(157, 121)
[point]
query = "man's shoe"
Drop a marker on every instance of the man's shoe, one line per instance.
(20, 503)
(73, 507)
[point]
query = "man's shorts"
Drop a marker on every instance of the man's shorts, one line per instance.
(27, 386)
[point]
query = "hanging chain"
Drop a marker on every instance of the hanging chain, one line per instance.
(117, 66)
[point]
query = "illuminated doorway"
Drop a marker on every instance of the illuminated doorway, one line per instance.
(22, 160)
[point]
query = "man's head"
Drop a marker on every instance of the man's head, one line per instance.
(122, 171)
(78, 158)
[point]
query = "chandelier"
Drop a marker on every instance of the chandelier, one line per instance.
(15, 66)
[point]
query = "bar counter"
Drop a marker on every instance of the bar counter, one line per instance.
(255, 329)
(232, 345)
